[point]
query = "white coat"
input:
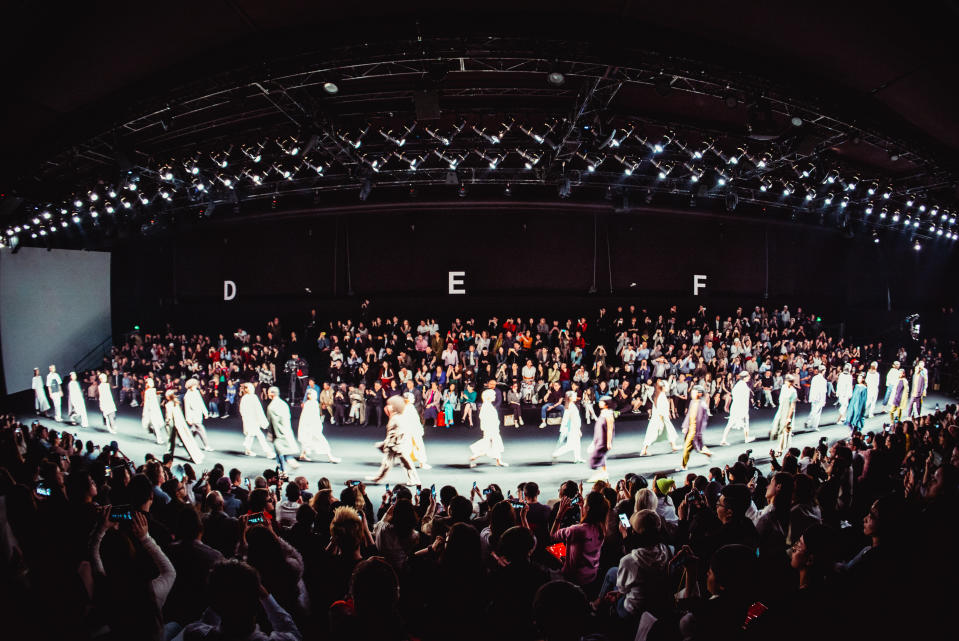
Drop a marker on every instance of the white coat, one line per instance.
(105, 395)
(193, 407)
(252, 415)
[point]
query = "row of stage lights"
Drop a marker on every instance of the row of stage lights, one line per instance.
(194, 177)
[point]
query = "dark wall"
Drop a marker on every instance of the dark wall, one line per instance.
(517, 263)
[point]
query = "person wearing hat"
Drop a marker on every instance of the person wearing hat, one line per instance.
(570, 431)
(844, 391)
(694, 425)
(872, 388)
(659, 419)
(603, 431)
(739, 408)
(892, 380)
(782, 422)
(817, 398)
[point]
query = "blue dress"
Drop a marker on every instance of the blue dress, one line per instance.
(856, 412)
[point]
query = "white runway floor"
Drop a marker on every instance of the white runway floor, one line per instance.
(528, 448)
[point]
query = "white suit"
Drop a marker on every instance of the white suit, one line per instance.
(40, 402)
(872, 392)
(492, 443)
(195, 411)
(55, 387)
(738, 409)
(107, 407)
(659, 420)
(76, 406)
(817, 400)
(254, 421)
(843, 393)
(570, 434)
(153, 415)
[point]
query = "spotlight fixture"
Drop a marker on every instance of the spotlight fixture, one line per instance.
(444, 140)
(397, 139)
(531, 158)
(191, 167)
(734, 158)
(787, 188)
(810, 195)
(254, 152)
(94, 213)
(76, 218)
(109, 208)
(112, 193)
(200, 186)
(872, 189)
(93, 196)
(330, 88)
(831, 177)
(358, 141)
(126, 204)
(664, 169)
(875, 237)
(47, 215)
(144, 200)
(628, 165)
(765, 185)
(721, 178)
(705, 147)
(227, 181)
(131, 185)
(555, 78)
(764, 160)
(290, 146)
(317, 168)
(796, 121)
(166, 173)
(909, 202)
(868, 208)
(883, 212)
(922, 208)
(934, 211)
(895, 217)
(78, 203)
(540, 138)
(808, 170)
(917, 246)
(915, 223)
(939, 232)
(828, 199)
(453, 161)
(221, 160)
(886, 195)
(853, 183)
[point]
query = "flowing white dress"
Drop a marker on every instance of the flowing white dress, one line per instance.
(76, 406)
(658, 421)
(40, 402)
(492, 443)
(309, 431)
(410, 419)
(571, 434)
(739, 407)
(152, 419)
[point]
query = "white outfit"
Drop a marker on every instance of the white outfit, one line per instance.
(738, 410)
(872, 392)
(76, 406)
(410, 422)
(55, 387)
(195, 411)
(153, 415)
(817, 400)
(659, 420)
(176, 421)
(892, 378)
(570, 434)
(309, 432)
(40, 402)
(843, 393)
(254, 422)
(492, 443)
(107, 407)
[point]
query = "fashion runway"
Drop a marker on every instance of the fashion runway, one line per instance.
(527, 452)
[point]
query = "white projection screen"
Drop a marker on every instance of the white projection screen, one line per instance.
(54, 308)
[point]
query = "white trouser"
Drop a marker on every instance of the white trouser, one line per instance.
(573, 444)
(656, 425)
(55, 401)
(843, 404)
(258, 435)
(740, 422)
(815, 414)
(871, 398)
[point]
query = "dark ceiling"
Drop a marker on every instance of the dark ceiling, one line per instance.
(93, 93)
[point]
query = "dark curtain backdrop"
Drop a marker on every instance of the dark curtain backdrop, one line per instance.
(518, 263)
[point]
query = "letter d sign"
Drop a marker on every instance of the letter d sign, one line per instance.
(229, 290)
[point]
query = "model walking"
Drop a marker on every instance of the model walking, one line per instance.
(570, 431)
(310, 430)
(40, 403)
(782, 422)
(739, 409)
(603, 432)
(55, 387)
(491, 444)
(817, 399)
(844, 391)
(195, 411)
(107, 407)
(694, 425)
(178, 428)
(659, 420)
(254, 420)
(76, 406)
(152, 419)
(397, 445)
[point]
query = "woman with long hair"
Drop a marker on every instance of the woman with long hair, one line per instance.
(584, 540)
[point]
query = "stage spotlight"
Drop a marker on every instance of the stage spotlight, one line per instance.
(909, 202)
(76, 219)
(796, 121)
(868, 208)
(253, 152)
(531, 158)
(166, 173)
(831, 177)
(810, 195)
(94, 213)
(915, 223)
(922, 208)
(290, 146)
(764, 161)
(191, 167)
(131, 185)
(507, 191)
(765, 185)
(853, 183)
(872, 189)
(92, 195)
(895, 217)
(934, 211)
(227, 181)
(47, 215)
(883, 212)
(808, 170)
(125, 203)
(787, 189)
(875, 237)
(555, 78)
(939, 232)
(828, 199)
(664, 170)
(952, 220)
(917, 246)
(112, 193)
(78, 203)
(945, 216)
(886, 195)
(144, 200)
(109, 208)
(220, 160)
(330, 88)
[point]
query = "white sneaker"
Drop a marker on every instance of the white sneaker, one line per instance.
(542, 425)
(334, 459)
